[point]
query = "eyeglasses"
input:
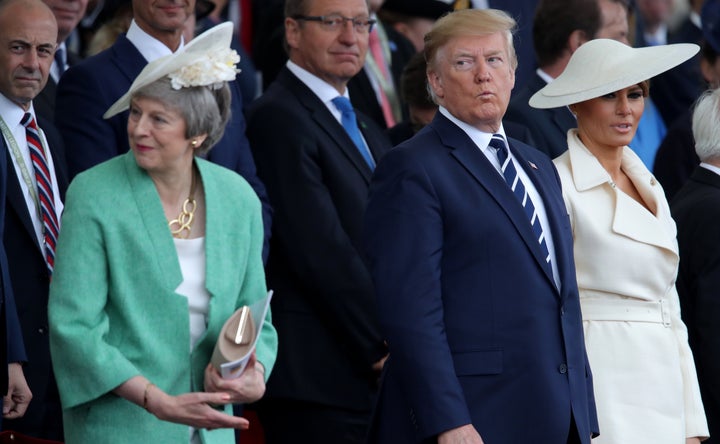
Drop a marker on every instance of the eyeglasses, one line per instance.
(335, 22)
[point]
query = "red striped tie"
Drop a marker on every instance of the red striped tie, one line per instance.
(45, 193)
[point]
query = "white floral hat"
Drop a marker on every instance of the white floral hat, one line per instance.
(602, 66)
(206, 61)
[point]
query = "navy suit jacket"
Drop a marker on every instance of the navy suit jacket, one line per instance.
(31, 284)
(324, 303)
(89, 88)
(12, 348)
(477, 329)
(696, 209)
(548, 127)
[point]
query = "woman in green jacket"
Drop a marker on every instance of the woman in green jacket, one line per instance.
(159, 247)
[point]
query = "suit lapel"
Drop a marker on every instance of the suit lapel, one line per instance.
(154, 222)
(475, 163)
(325, 120)
(127, 59)
(16, 199)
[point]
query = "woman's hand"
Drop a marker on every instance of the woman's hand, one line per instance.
(193, 409)
(248, 387)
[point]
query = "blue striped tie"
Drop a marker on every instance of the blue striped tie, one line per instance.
(46, 197)
(497, 142)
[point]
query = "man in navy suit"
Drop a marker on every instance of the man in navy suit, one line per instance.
(322, 386)
(30, 22)
(470, 250)
(28, 33)
(87, 90)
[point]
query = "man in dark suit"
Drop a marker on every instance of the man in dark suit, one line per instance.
(559, 28)
(696, 210)
(68, 14)
(471, 253)
(88, 89)
(24, 235)
(28, 32)
(322, 386)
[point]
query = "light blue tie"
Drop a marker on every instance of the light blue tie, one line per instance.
(497, 142)
(349, 122)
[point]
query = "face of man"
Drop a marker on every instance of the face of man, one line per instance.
(472, 77)
(68, 14)
(334, 55)
(614, 22)
(28, 36)
(163, 19)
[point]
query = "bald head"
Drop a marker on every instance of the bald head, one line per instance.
(28, 38)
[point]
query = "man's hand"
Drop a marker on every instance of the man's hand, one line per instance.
(18, 397)
(462, 435)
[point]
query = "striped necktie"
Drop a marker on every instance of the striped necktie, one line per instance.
(497, 142)
(46, 197)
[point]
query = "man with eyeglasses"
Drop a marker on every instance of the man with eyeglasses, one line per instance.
(315, 155)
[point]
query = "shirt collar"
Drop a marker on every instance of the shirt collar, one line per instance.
(150, 47)
(325, 91)
(11, 112)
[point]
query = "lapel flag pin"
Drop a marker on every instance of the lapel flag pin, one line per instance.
(532, 165)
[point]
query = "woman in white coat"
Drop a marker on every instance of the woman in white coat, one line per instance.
(626, 254)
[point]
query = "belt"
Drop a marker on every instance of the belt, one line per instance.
(625, 310)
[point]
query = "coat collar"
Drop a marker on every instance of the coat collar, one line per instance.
(154, 221)
(630, 218)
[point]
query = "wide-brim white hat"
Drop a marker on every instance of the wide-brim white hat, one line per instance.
(602, 66)
(213, 40)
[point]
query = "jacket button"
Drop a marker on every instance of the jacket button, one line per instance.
(41, 331)
(562, 368)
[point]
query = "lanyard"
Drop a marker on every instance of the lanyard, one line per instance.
(15, 150)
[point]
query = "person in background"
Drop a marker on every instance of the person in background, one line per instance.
(16, 394)
(159, 248)
(68, 14)
(559, 28)
(413, 18)
(626, 255)
(316, 154)
(676, 158)
(36, 181)
(696, 209)
(468, 243)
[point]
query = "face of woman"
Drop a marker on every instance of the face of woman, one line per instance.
(157, 137)
(610, 121)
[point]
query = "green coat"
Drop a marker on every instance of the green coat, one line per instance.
(113, 310)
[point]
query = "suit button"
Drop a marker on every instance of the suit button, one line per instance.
(41, 331)
(562, 311)
(562, 368)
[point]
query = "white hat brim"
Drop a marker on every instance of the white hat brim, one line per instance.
(216, 38)
(602, 66)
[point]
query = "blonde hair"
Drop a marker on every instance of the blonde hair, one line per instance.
(470, 22)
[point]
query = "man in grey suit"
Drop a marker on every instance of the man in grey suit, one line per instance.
(317, 175)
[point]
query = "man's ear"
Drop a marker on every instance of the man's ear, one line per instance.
(292, 32)
(576, 39)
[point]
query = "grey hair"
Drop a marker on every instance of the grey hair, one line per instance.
(205, 110)
(706, 126)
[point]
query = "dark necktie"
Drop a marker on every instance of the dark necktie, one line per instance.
(60, 61)
(349, 122)
(510, 174)
(46, 197)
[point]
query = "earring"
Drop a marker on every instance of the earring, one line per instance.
(194, 143)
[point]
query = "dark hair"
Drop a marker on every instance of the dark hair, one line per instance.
(555, 20)
(205, 110)
(413, 83)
